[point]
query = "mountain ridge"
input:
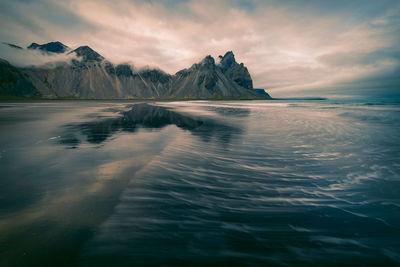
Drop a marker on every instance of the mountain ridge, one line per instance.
(90, 75)
(51, 47)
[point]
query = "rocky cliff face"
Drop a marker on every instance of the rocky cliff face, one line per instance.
(234, 71)
(92, 76)
(15, 83)
(207, 80)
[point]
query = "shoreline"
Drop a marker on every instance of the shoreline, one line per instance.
(7, 98)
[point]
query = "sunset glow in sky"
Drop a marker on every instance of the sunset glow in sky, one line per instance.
(289, 47)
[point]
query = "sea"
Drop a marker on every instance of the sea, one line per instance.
(132, 183)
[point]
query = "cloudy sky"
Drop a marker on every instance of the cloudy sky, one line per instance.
(290, 47)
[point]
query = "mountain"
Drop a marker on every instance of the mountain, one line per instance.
(87, 54)
(52, 47)
(262, 92)
(234, 71)
(90, 75)
(207, 80)
(13, 82)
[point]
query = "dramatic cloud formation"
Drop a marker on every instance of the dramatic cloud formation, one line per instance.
(290, 47)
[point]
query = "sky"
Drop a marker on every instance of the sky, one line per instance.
(291, 48)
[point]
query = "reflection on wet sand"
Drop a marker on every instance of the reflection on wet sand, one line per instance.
(186, 183)
(146, 116)
(69, 198)
(65, 211)
(230, 111)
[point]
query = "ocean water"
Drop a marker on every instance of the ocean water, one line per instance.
(114, 183)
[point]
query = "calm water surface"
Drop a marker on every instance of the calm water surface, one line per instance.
(167, 183)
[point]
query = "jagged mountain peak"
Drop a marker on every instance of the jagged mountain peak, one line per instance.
(227, 60)
(208, 60)
(207, 64)
(51, 47)
(233, 70)
(228, 54)
(87, 53)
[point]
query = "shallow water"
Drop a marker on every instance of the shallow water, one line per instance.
(112, 183)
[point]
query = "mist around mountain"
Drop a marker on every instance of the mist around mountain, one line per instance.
(52, 47)
(83, 73)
